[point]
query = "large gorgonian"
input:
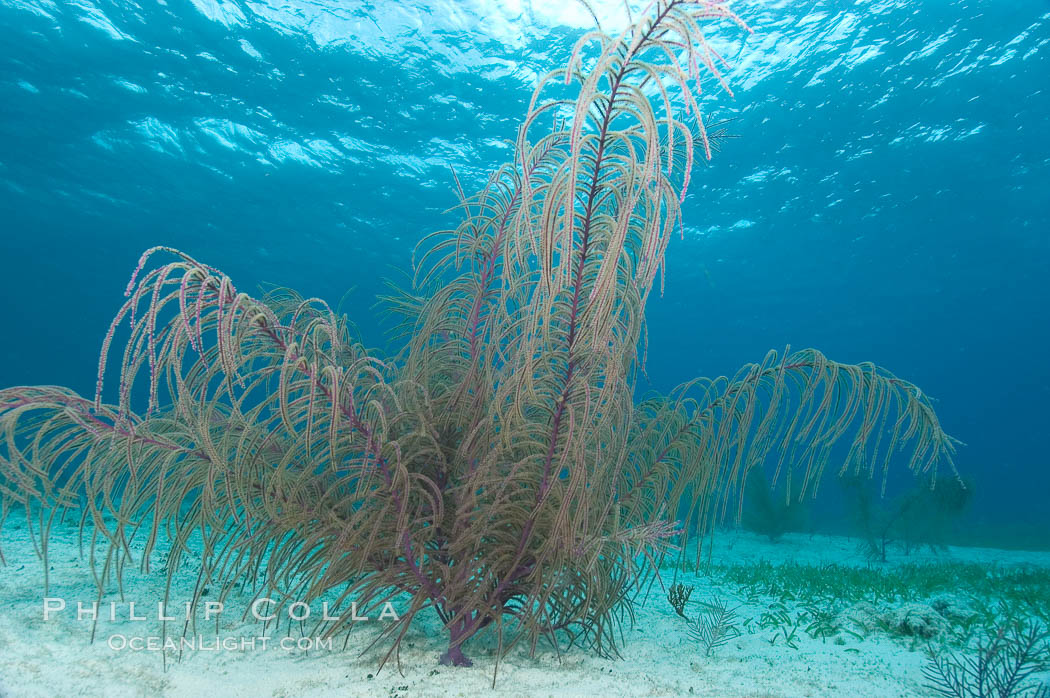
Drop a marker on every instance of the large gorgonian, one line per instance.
(497, 470)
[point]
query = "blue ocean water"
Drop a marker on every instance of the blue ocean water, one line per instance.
(887, 199)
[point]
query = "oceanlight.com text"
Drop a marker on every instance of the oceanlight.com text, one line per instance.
(200, 643)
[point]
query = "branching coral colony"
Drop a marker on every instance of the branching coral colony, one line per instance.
(497, 471)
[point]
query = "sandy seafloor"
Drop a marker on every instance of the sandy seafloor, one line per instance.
(57, 657)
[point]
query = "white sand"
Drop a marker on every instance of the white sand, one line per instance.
(56, 657)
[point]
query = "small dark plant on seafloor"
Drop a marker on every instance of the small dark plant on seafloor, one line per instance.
(497, 471)
(678, 596)
(1003, 665)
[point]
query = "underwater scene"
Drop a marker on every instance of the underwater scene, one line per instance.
(524, 348)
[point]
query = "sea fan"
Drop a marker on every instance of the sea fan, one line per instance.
(1003, 665)
(497, 470)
